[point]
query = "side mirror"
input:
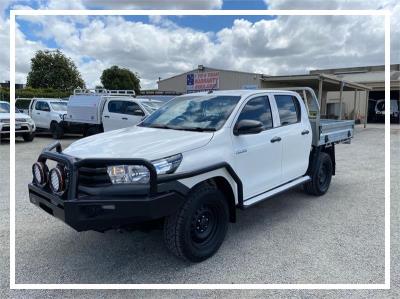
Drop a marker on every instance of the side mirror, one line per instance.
(138, 113)
(247, 126)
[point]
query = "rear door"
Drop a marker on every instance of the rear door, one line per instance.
(257, 156)
(295, 131)
(41, 114)
(112, 114)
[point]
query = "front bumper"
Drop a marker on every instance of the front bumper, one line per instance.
(106, 213)
(20, 128)
(105, 207)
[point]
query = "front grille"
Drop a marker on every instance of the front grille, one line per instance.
(93, 177)
(22, 120)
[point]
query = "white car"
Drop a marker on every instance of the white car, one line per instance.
(24, 125)
(192, 163)
(48, 114)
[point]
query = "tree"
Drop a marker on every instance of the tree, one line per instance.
(120, 78)
(52, 69)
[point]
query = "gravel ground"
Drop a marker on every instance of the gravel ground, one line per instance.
(292, 238)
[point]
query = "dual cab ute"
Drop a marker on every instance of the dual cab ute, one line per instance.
(192, 163)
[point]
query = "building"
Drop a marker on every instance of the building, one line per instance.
(343, 93)
(371, 76)
(205, 78)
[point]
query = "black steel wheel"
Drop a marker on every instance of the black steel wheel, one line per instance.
(196, 231)
(321, 176)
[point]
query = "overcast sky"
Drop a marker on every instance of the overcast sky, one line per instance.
(164, 46)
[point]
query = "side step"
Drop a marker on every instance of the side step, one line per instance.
(272, 192)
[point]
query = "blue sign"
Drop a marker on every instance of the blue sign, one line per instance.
(190, 79)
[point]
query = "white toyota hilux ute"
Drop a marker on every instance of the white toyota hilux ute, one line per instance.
(192, 163)
(24, 125)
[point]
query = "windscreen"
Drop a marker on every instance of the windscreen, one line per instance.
(197, 113)
(59, 106)
(151, 106)
(4, 108)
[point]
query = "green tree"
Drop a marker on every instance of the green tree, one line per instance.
(52, 69)
(120, 78)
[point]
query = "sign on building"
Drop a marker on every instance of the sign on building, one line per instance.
(202, 81)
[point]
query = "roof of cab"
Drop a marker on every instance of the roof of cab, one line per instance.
(239, 92)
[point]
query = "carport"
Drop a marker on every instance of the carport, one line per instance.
(321, 84)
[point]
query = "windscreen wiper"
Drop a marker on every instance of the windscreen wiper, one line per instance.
(197, 129)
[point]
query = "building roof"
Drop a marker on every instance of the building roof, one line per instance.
(330, 82)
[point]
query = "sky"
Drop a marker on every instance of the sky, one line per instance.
(155, 46)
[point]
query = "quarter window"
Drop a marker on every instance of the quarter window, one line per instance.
(288, 108)
(257, 109)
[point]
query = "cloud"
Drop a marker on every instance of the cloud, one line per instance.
(161, 48)
(285, 45)
(134, 4)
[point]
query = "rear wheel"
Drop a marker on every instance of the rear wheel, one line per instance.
(93, 131)
(196, 231)
(57, 131)
(321, 176)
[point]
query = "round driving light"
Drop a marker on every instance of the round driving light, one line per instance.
(57, 180)
(40, 173)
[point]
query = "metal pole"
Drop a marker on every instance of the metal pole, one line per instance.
(341, 99)
(366, 107)
(355, 104)
(320, 93)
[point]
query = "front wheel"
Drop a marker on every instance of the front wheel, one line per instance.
(57, 131)
(196, 231)
(321, 176)
(28, 137)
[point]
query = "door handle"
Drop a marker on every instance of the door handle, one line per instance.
(305, 132)
(124, 118)
(276, 139)
(38, 113)
(106, 116)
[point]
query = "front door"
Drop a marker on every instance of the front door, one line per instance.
(258, 156)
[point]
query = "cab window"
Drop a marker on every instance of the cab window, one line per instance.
(116, 107)
(288, 108)
(42, 106)
(257, 109)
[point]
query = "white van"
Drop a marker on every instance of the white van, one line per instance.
(103, 110)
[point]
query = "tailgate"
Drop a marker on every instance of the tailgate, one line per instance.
(335, 131)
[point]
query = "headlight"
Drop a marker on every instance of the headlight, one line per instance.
(137, 174)
(167, 165)
(127, 174)
(30, 121)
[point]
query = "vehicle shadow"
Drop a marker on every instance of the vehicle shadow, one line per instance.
(141, 257)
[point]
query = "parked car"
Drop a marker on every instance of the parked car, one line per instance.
(394, 110)
(48, 114)
(24, 125)
(192, 163)
(104, 110)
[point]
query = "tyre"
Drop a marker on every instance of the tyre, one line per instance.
(92, 131)
(198, 228)
(57, 131)
(321, 176)
(28, 137)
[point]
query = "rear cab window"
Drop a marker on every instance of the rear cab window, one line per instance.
(288, 109)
